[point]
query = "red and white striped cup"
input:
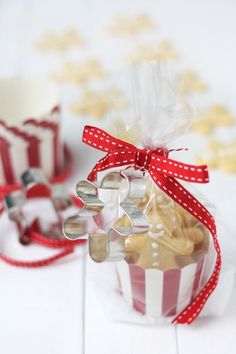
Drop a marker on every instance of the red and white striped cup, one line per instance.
(158, 293)
(29, 128)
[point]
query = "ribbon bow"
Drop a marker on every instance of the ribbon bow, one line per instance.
(164, 172)
(156, 162)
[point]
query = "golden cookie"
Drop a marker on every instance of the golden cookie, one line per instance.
(181, 246)
(79, 73)
(211, 118)
(54, 42)
(189, 82)
(136, 243)
(97, 103)
(130, 26)
(194, 234)
(220, 155)
(160, 51)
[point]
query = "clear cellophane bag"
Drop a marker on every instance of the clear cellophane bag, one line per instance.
(164, 268)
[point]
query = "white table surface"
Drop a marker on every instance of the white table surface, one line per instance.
(55, 310)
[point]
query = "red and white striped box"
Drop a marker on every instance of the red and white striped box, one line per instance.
(29, 128)
(157, 293)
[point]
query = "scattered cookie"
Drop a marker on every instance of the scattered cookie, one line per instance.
(159, 51)
(189, 82)
(211, 118)
(130, 26)
(97, 103)
(54, 42)
(79, 73)
(220, 155)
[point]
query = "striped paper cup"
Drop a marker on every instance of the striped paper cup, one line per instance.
(29, 128)
(158, 293)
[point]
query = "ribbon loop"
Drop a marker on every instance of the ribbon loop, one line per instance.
(120, 153)
(103, 141)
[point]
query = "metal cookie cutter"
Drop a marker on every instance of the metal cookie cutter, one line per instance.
(104, 205)
(14, 202)
(35, 184)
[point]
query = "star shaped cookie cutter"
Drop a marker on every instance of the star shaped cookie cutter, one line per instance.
(104, 204)
(35, 184)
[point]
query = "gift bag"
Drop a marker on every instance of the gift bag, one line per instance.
(141, 213)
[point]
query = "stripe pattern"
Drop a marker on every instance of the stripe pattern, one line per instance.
(155, 293)
(33, 143)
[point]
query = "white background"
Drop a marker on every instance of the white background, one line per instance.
(54, 310)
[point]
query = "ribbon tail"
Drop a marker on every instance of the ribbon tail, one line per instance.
(188, 315)
(186, 200)
(180, 170)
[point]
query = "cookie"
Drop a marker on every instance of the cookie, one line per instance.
(97, 103)
(220, 155)
(211, 118)
(60, 42)
(159, 51)
(79, 73)
(130, 25)
(189, 82)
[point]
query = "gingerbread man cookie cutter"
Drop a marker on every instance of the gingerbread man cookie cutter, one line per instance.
(104, 204)
(35, 184)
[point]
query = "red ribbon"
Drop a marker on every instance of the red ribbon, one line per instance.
(67, 247)
(33, 235)
(164, 172)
